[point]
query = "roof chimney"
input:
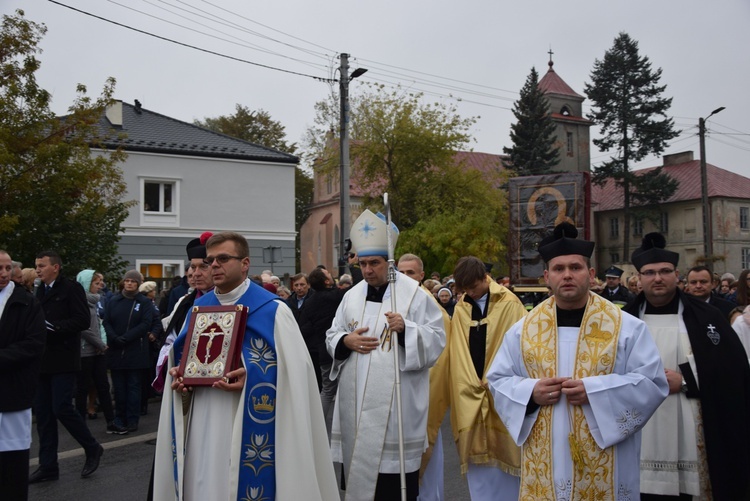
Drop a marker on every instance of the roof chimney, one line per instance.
(678, 158)
(138, 106)
(114, 113)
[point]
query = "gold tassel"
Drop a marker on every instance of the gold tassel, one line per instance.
(576, 453)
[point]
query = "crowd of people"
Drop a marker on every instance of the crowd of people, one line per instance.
(622, 388)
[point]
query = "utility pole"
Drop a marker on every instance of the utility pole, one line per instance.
(344, 203)
(708, 247)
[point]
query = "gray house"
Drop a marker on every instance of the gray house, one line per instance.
(186, 180)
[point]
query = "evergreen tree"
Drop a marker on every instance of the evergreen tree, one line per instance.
(533, 135)
(627, 104)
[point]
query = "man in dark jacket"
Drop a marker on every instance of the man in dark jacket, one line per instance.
(298, 300)
(66, 313)
(22, 338)
(702, 425)
(699, 285)
(615, 291)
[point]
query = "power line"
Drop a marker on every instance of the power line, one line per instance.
(246, 44)
(237, 26)
(207, 51)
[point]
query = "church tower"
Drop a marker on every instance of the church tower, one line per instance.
(572, 129)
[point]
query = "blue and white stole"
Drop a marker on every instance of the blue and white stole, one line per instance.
(256, 477)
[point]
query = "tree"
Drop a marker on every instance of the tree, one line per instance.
(533, 135)
(259, 128)
(55, 192)
(252, 126)
(631, 113)
(407, 148)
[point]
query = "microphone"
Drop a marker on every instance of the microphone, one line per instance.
(37, 283)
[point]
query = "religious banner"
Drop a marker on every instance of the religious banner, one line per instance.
(213, 344)
(537, 205)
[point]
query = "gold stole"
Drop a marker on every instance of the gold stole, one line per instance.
(593, 468)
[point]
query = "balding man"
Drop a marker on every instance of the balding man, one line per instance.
(22, 336)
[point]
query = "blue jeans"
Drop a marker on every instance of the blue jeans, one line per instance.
(127, 383)
(54, 402)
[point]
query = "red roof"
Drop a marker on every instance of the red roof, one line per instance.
(551, 83)
(721, 183)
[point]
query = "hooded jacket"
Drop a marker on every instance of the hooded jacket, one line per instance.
(91, 338)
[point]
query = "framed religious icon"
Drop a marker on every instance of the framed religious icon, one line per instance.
(213, 343)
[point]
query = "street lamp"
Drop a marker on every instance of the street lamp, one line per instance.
(344, 155)
(707, 231)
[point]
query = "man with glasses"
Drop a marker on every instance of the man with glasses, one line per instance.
(365, 434)
(259, 432)
(697, 443)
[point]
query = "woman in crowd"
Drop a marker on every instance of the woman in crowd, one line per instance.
(29, 275)
(155, 339)
(741, 297)
(127, 320)
(93, 361)
(283, 292)
(445, 297)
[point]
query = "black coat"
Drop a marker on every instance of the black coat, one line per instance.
(66, 311)
(316, 318)
(291, 302)
(723, 305)
(621, 298)
(724, 381)
(22, 337)
(127, 323)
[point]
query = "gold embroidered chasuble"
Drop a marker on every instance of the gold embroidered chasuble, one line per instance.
(479, 433)
(596, 353)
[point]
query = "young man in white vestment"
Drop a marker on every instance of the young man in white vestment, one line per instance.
(574, 382)
(365, 423)
(258, 433)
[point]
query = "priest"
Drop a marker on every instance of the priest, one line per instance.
(258, 433)
(574, 382)
(365, 434)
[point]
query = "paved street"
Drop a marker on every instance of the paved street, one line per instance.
(126, 465)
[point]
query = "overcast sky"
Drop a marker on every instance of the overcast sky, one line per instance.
(480, 51)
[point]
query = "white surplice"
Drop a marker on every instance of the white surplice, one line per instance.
(424, 340)
(619, 403)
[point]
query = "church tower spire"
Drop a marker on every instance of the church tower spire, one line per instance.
(572, 128)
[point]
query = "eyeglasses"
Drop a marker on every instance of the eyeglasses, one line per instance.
(221, 259)
(653, 273)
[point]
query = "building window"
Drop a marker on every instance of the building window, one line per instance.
(160, 202)
(614, 257)
(614, 227)
(158, 196)
(159, 269)
(329, 184)
(745, 258)
(745, 218)
(565, 111)
(570, 144)
(637, 227)
(664, 227)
